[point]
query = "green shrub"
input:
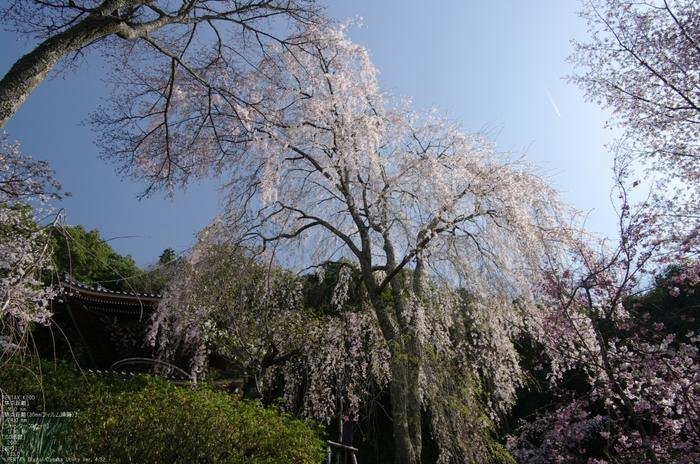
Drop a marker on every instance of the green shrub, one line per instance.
(145, 419)
(167, 424)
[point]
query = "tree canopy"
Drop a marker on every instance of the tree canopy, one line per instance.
(167, 32)
(88, 258)
(642, 62)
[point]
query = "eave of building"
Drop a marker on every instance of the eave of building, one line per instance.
(99, 295)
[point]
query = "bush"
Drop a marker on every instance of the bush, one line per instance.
(163, 423)
(145, 419)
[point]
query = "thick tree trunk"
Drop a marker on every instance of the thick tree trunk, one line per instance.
(30, 70)
(402, 412)
(414, 348)
(404, 363)
(404, 383)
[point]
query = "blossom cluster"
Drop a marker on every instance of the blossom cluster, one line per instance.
(24, 246)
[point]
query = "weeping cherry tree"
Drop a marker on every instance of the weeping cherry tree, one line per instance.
(336, 169)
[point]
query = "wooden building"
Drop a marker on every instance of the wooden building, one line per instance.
(113, 327)
(111, 324)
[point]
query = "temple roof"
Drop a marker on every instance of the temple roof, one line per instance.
(98, 293)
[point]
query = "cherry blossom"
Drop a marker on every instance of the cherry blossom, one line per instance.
(24, 245)
(644, 390)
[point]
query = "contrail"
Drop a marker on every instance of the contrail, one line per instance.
(551, 100)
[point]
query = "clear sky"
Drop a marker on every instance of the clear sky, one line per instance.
(497, 64)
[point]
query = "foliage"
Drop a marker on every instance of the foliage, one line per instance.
(35, 440)
(672, 301)
(24, 179)
(163, 423)
(24, 255)
(637, 347)
(59, 386)
(222, 299)
(154, 278)
(145, 419)
(167, 256)
(88, 258)
(644, 380)
(343, 361)
(46, 387)
(642, 62)
(227, 301)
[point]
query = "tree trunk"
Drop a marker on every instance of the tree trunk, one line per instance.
(404, 364)
(30, 70)
(402, 412)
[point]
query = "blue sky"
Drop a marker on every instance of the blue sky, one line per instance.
(496, 64)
